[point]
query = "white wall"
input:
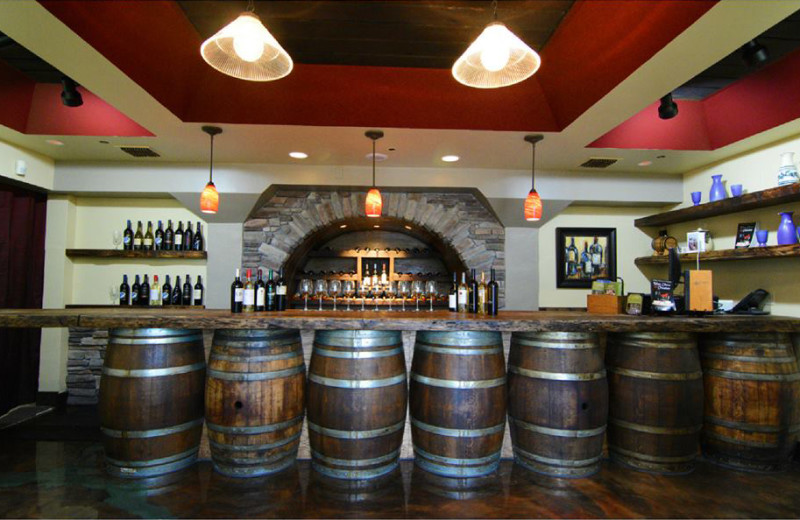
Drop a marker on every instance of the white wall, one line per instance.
(40, 169)
(224, 258)
(522, 269)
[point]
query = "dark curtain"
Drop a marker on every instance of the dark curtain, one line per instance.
(22, 227)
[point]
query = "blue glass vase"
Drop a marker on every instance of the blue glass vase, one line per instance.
(717, 189)
(787, 233)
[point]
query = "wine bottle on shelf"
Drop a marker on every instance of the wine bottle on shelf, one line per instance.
(187, 291)
(237, 294)
(493, 294)
(375, 276)
(138, 237)
(271, 289)
(463, 294)
(159, 237)
(473, 293)
(127, 238)
(384, 277)
(155, 292)
(169, 237)
(198, 243)
(280, 292)
(166, 292)
(144, 292)
(199, 291)
(135, 288)
(261, 292)
(482, 293)
(124, 291)
(188, 237)
(367, 278)
(177, 293)
(179, 237)
(452, 297)
(249, 301)
(147, 242)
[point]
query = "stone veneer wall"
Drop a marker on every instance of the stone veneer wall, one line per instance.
(462, 221)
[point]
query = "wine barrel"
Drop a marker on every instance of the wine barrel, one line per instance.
(254, 400)
(752, 388)
(458, 402)
(655, 400)
(151, 400)
(557, 402)
(356, 402)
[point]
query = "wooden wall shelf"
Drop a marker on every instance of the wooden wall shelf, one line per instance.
(746, 202)
(751, 253)
(127, 254)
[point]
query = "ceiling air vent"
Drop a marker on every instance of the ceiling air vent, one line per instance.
(139, 151)
(599, 162)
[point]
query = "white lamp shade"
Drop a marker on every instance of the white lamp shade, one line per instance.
(497, 58)
(246, 50)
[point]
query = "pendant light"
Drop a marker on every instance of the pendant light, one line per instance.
(497, 58)
(374, 202)
(533, 202)
(209, 199)
(245, 49)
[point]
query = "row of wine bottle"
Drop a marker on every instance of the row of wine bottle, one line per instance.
(163, 240)
(145, 294)
(258, 295)
(477, 297)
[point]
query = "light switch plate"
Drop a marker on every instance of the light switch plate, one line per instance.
(21, 168)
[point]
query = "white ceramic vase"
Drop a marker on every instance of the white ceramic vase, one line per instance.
(787, 173)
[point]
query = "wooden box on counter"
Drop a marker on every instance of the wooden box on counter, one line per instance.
(605, 304)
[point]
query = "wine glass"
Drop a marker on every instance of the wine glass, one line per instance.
(430, 288)
(113, 294)
(391, 291)
(306, 287)
(320, 288)
(404, 288)
(117, 238)
(362, 290)
(349, 291)
(334, 289)
(418, 288)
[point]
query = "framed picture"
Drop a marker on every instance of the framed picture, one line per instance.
(584, 255)
(744, 235)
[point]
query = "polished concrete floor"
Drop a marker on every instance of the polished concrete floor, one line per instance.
(55, 479)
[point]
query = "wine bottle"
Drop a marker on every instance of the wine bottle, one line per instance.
(198, 244)
(367, 278)
(270, 292)
(147, 243)
(159, 237)
(249, 297)
(155, 292)
(177, 293)
(199, 291)
(188, 237)
(187, 291)
(384, 278)
(452, 297)
(124, 291)
(280, 292)
(463, 294)
(473, 293)
(166, 292)
(261, 292)
(138, 237)
(144, 292)
(135, 288)
(169, 237)
(482, 290)
(375, 276)
(179, 237)
(493, 295)
(127, 238)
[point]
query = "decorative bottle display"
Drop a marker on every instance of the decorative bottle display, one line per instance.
(463, 294)
(127, 238)
(280, 292)
(198, 243)
(138, 237)
(452, 297)
(124, 289)
(787, 234)
(188, 237)
(481, 298)
(199, 291)
(135, 288)
(166, 292)
(717, 189)
(473, 293)
(159, 237)
(169, 237)
(494, 295)
(179, 237)
(148, 241)
(261, 292)
(155, 293)
(249, 297)
(237, 294)
(787, 173)
(144, 292)
(177, 293)
(270, 292)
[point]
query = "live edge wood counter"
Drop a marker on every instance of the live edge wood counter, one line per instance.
(507, 321)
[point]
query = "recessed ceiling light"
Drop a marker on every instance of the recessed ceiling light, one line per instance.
(298, 155)
(407, 227)
(54, 142)
(450, 158)
(376, 226)
(379, 157)
(343, 226)
(645, 163)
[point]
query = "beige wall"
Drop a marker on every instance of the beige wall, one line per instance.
(40, 170)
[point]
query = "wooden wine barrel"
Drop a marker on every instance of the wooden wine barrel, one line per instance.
(458, 402)
(655, 400)
(557, 402)
(752, 393)
(151, 400)
(255, 395)
(357, 392)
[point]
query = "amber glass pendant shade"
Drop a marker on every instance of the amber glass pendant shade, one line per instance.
(374, 203)
(533, 207)
(209, 199)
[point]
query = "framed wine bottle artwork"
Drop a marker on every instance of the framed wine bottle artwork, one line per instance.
(584, 255)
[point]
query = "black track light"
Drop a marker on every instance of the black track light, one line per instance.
(69, 93)
(754, 54)
(668, 108)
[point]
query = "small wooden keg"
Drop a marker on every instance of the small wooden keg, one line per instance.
(357, 391)
(254, 400)
(752, 400)
(655, 400)
(557, 402)
(151, 400)
(458, 402)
